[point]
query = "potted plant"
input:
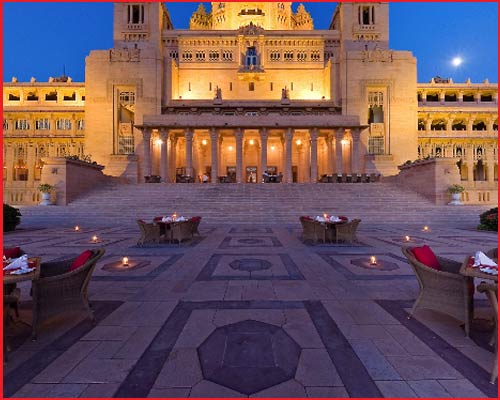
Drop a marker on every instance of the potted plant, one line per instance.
(455, 191)
(46, 190)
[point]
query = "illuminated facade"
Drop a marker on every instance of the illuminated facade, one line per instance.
(250, 87)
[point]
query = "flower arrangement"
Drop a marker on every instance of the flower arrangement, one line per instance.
(456, 189)
(45, 187)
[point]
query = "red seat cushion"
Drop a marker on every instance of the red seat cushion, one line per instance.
(426, 256)
(141, 221)
(80, 260)
(343, 218)
(12, 252)
(196, 219)
(306, 217)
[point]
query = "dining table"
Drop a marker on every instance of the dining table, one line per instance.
(10, 278)
(468, 269)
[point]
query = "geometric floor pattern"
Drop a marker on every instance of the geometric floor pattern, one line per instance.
(249, 311)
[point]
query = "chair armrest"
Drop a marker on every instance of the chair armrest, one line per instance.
(54, 268)
(448, 265)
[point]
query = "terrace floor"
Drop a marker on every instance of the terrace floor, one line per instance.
(250, 311)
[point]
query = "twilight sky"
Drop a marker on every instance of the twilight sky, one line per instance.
(43, 39)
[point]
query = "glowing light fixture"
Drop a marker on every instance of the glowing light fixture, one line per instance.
(373, 260)
(204, 142)
(251, 142)
(125, 261)
(298, 142)
(158, 142)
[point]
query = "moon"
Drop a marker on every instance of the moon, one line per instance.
(457, 61)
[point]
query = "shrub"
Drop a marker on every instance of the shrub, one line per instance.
(489, 220)
(11, 218)
(45, 187)
(456, 189)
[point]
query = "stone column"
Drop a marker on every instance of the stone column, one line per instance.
(329, 156)
(238, 134)
(288, 154)
(264, 135)
(214, 139)
(163, 155)
(339, 135)
(490, 166)
(188, 135)
(30, 163)
(9, 162)
(355, 133)
(469, 157)
(313, 135)
(173, 156)
(146, 141)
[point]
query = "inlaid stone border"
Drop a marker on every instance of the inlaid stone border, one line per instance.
(252, 230)
(206, 274)
(226, 242)
(354, 375)
(449, 353)
(348, 274)
(160, 269)
(26, 371)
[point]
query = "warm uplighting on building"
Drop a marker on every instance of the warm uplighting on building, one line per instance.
(273, 147)
(158, 142)
(373, 260)
(230, 148)
(344, 142)
(125, 261)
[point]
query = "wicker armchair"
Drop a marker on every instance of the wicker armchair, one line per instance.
(182, 231)
(312, 230)
(347, 232)
(491, 291)
(59, 290)
(445, 291)
(493, 254)
(9, 301)
(195, 221)
(150, 233)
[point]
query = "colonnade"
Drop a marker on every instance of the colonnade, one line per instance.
(343, 151)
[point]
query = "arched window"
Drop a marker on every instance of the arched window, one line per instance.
(479, 126)
(251, 57)
(459, 125)
(421, 125)
(438, 125)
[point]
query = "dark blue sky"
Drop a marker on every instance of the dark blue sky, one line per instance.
(41, 39)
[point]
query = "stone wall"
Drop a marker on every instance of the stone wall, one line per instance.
(431, 178)
(71, 178)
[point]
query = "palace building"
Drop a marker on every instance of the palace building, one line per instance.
(249, 87)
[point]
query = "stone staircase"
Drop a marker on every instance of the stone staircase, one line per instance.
(380, 202)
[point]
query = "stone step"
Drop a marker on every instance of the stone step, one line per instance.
(254, 204)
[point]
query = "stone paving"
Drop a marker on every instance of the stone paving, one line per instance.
(249, 311)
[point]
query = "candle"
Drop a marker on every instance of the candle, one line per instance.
(174, 216)
(407, 238)
(373, 260)
(426, 228)
(94, 239)
(77, 228)
(125, 261)
(325, 216)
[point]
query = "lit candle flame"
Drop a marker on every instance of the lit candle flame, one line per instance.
(325, 216)
(407, 238)
(426, 228)
(94, 238)
(77, 228)
(373, 260)
(125, 261)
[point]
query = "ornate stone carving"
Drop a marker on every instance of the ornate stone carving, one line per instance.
(125, 55)
(377, 55)
(251, 29)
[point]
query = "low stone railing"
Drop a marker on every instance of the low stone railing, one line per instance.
(71, 178)
(431, 178)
